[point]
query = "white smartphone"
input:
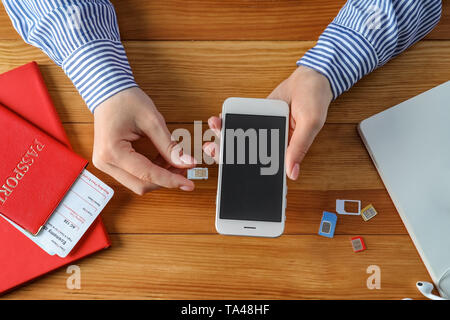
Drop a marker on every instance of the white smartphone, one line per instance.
(251, 192)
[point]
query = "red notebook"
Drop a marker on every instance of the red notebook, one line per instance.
(32, 160)
(23, 91)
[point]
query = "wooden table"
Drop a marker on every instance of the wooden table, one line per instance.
(164, 245)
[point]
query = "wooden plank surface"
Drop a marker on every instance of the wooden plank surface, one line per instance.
(226, 20)
(164, 245)
(324, 168)
(171, 212)
(218, 267)
(324, 178)
(199, 76)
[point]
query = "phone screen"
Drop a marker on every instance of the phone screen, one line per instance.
(253, 168)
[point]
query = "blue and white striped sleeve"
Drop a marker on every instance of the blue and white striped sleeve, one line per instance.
(366, 34)
(81, 36)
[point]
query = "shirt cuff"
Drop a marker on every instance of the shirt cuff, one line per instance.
(343, 56)
(99, 69)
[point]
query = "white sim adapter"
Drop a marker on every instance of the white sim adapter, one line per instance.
(340, 207)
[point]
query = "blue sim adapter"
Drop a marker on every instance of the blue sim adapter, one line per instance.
(328, 224)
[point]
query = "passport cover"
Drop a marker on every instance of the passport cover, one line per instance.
(23, 91)
(36, 172)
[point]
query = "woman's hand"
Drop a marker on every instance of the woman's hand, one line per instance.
(309, 95)
(124, 118)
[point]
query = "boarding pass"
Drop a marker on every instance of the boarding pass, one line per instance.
(74, 215)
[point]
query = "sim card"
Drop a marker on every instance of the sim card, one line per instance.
(358, 244)
(197, 174)
(328, 224)
(368, 212)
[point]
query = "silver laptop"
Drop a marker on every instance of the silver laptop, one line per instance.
(410, 146)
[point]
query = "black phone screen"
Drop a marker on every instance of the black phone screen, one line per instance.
(253, 168)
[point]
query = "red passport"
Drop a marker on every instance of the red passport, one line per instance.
(23, 91)
(36, 172)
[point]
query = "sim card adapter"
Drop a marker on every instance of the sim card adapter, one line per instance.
(328, 224)
(340, 207)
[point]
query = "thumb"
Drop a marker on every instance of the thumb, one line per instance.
(302, 138)
(167, 147)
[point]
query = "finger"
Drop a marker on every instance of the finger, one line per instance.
(160, 161)
(212, 150)
(128, 180)
(208, 148)
(180, 171)
(158, 132)
(145, 170)
(301, 140)
(215, 124)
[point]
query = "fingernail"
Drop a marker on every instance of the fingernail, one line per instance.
(295, 171)
(186, 188)
(217, 132)
(209, 149)
(187, 159)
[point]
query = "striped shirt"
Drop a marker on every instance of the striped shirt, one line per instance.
(366, 34)
(82, 36)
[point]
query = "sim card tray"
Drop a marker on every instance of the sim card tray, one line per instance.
(340, 207)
